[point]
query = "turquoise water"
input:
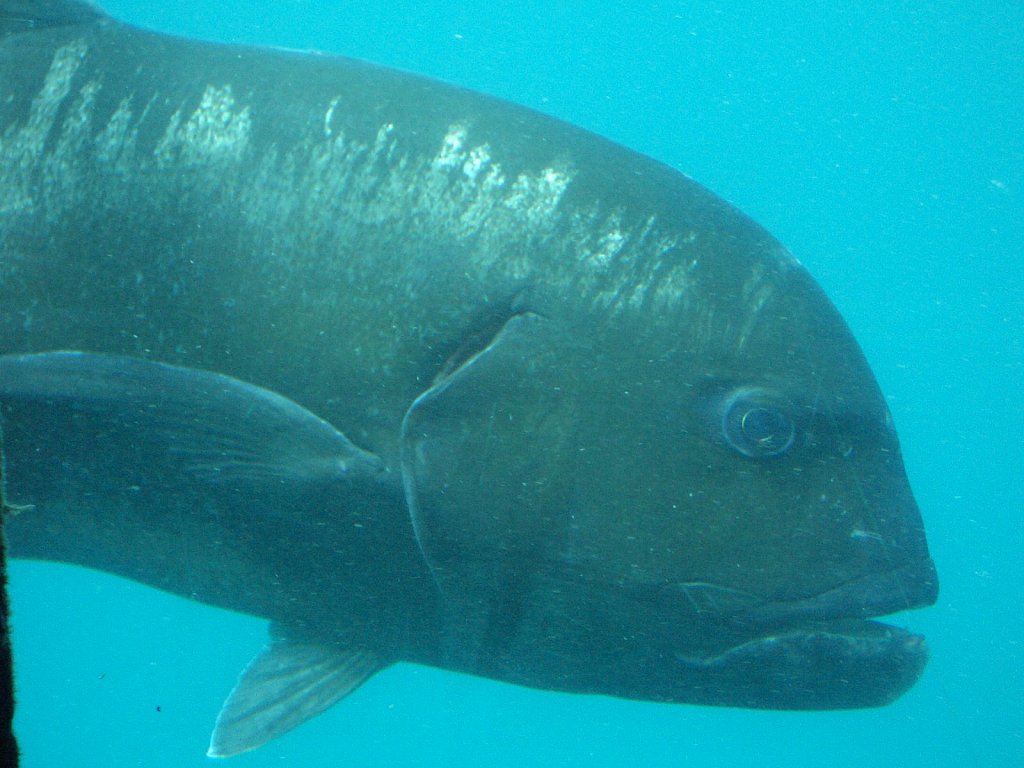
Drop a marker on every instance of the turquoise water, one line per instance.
(882, 142)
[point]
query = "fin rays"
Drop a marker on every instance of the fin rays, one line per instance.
(211, 427)
(285, 685)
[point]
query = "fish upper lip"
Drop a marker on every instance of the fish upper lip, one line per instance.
(913, 585)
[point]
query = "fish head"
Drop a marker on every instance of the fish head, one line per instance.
(744, 483)
(752, 451)
(699, 460)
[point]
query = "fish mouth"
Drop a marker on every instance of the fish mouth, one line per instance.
(914, 585)
(820, 652)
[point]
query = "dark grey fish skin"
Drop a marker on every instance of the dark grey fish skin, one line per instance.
(421, 375)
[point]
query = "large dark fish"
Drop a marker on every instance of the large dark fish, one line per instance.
(421, 375)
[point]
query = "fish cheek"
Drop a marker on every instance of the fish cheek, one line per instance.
(662, 498)
(483, 459)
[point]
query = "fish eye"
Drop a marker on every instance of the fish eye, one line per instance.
(756, 424)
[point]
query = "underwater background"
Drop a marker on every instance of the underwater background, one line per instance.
(883, 143)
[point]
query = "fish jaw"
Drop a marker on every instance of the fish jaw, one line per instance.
(820, 652)
(843, 664)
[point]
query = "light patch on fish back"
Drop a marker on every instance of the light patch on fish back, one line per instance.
(452, 149)
(329, 117)
(116, 142)
(22, 145)
(56, 87)
(456, 190)
(760, 288)
(217, 131)
(625, 266)
(537, 195)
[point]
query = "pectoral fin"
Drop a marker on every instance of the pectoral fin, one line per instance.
(286, 684)
(195, 423)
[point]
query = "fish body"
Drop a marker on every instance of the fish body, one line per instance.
(421, 375)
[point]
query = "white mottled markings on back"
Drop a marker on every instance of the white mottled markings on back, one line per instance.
(758, 290)
(635, 255)
(456, 194)
(538, 195)
(218, 130)
(479, 158)
(383, 145)
(117, 142)
(329, 116)
(22, 145)
(451, 153)
(340, 201)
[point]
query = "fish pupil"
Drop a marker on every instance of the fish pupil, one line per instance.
(767, 429)
(754, 426)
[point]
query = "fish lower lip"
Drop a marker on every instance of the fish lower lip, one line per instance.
(817, 652)
(843, 664)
